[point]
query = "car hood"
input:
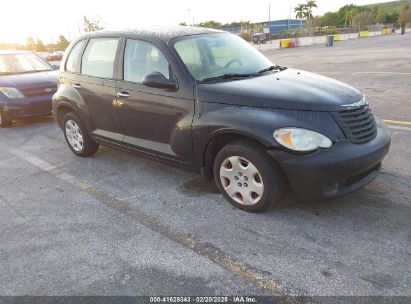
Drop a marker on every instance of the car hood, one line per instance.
(30, 80)
(290, 89)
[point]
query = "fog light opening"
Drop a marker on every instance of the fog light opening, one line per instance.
(331, 188)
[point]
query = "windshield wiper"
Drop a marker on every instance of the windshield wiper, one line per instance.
(234, 75)
(273, 67)
(227, 76)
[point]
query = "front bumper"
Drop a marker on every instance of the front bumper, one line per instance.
(28, 107)
(336, 171)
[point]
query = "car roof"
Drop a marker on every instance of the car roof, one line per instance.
(164, 33)
(10, 52)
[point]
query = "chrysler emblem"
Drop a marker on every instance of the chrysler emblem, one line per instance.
(358, 104)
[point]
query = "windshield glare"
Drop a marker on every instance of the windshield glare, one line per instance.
(22, 63)
(214, 55)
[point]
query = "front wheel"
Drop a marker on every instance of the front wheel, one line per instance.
(77, 136)
(247, 177)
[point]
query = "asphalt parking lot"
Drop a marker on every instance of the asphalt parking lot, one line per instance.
(117, 224)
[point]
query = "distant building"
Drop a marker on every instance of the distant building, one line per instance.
(281, 25)
(274, 26)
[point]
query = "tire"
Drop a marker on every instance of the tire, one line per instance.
(4, 120)
(77, 137)
(259, 182)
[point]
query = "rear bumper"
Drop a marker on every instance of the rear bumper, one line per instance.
(28, 107)
(341, 169)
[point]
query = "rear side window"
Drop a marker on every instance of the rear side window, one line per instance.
(142, 58)
(73, 57)
(98, 58)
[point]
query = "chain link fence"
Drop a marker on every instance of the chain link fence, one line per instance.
(318, 35)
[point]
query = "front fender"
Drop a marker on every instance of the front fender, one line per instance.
(254, 123)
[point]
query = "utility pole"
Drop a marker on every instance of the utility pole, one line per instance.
(269, 20)
(189, 17)
(78, 27)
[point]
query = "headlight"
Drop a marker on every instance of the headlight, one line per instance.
(11, 93)
(301, 139)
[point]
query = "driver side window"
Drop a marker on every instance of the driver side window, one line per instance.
(142, 58)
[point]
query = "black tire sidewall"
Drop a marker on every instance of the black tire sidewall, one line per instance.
(271, 175)
(89, 147)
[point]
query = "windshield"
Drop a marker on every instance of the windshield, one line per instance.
(22, 63)
(214, 55)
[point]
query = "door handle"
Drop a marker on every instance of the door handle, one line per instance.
(123, 95)
(76, 85)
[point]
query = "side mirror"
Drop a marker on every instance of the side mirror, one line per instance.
(159, 81)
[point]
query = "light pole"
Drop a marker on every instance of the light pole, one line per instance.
(189, 17)
(269, 20)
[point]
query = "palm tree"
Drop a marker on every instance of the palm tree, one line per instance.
(307, 14)
(299, 11)
(311, 4)
(309, 8)
(350, 16)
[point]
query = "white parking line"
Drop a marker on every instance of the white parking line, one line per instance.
(209, 251)
(399, 128)
(39, 163)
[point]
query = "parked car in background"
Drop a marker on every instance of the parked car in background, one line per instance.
(27, 84)
(208, 101)
(55, 56)
(260, 38)
(42, 54)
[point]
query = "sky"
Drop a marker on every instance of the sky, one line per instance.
(47, 19)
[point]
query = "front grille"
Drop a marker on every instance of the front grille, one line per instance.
(40, 91)
(357, 124)
(29, 111)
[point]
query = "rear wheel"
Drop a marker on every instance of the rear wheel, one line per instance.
(4, 120)
(247, 177)
(77, 136)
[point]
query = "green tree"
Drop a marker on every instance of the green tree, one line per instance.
(405, 15)
(345, 14)
(393, 17)
(62, 43)
(329, 19)
(309, 8)
(299, 11)
(258, 28)
(210, 24)
(30, 44)
(381, 16)
(239, 23)
(39, 46)
(363, 19)
(92, 25)
(182, 24)
(248, 29)
(351, 15)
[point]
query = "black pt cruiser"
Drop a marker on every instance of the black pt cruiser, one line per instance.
(208, 101)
